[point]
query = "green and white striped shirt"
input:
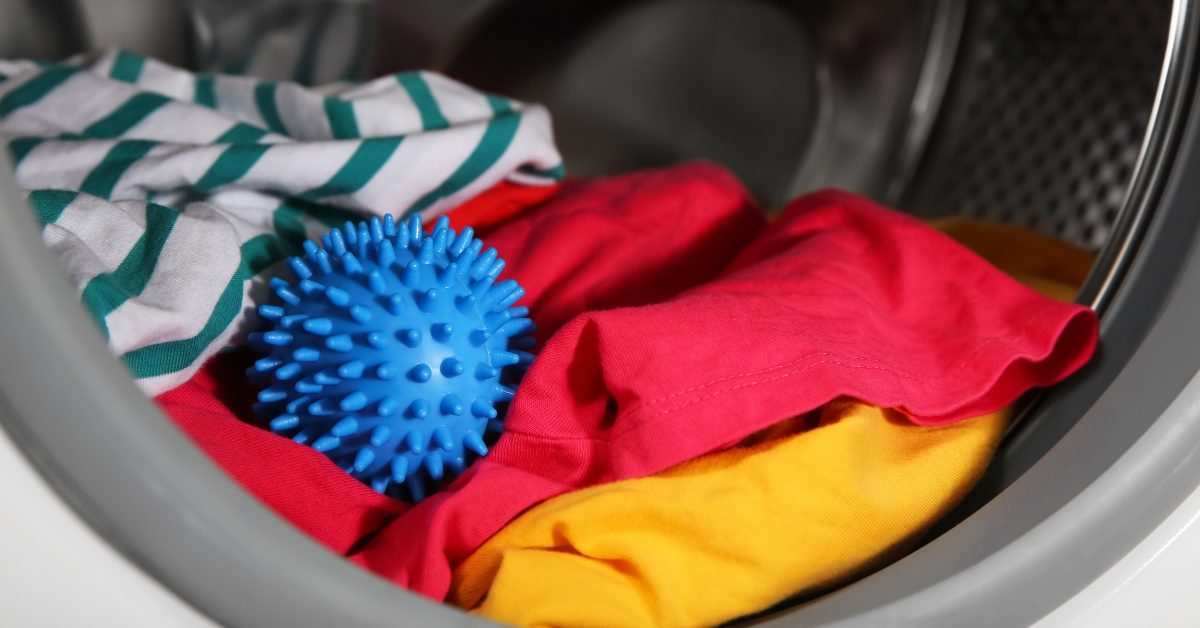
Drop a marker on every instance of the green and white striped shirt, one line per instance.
(166, 195)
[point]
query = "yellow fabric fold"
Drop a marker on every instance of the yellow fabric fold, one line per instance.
(791, 510)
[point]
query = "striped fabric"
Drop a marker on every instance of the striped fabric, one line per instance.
(168, 196)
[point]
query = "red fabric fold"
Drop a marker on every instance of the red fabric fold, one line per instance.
(685, 326)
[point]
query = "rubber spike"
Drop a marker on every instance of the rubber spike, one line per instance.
(501, 290)
(364, 243)
(350, 264)
(380, 436)
(337, 296)
(410, 337)
(448, 275)
(452, 367)
(439, 238)
(307, 387)
(433, 464)
(485, 371)
(286, 295)
(337, 243)
(415, 441)
(309, 287)
(387, 371)
(418, 409)
(481, 287)
(495, 269)
(403, 238)
(353, 402)
(483, 409)
(426, 300)
(319, 326)
(360, 314)
(442, 332)
(363, 459)
(386, 254)
(299, 268)
(277, 338)
(396, 305)
(399, 469)
(442, 438)
(375, 282)
(481, 265)
(414, 228)
(412, 275)
(295, 405)
(495, 320)
(306, 354)
(325, 379)
(351, 370)
(270, 312)
(420, 373)
(465, 304)
(451, 405)
(285, 422)
(322, 259)
(470, 255)
(263, 365)
(474, 442)
(272, 395)
(461, 242)
(340, 343)
(345, 427)
(287, 371)
(425, 254)
(292, 321)
(387, 406)
(515, 327)
(377, 340)
(501, 359)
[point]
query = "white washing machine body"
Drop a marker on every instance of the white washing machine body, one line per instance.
(1088, 517)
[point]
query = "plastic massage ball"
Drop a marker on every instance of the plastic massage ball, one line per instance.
(390, 352)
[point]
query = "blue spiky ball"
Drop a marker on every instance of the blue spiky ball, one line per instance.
(390, 352)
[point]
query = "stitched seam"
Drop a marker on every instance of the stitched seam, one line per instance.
(638, 408)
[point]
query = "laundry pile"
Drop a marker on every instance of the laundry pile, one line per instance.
(725, 411)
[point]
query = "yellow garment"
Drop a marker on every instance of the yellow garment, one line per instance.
(1052, 267)
(737, 531)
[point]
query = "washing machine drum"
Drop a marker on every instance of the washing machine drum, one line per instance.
(1075, 118)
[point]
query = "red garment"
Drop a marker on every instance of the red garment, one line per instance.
(499, 203)
(838, 297)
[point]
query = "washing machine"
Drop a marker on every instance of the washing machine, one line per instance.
(1076, 118)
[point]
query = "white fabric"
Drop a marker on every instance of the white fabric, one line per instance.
(163, 193)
